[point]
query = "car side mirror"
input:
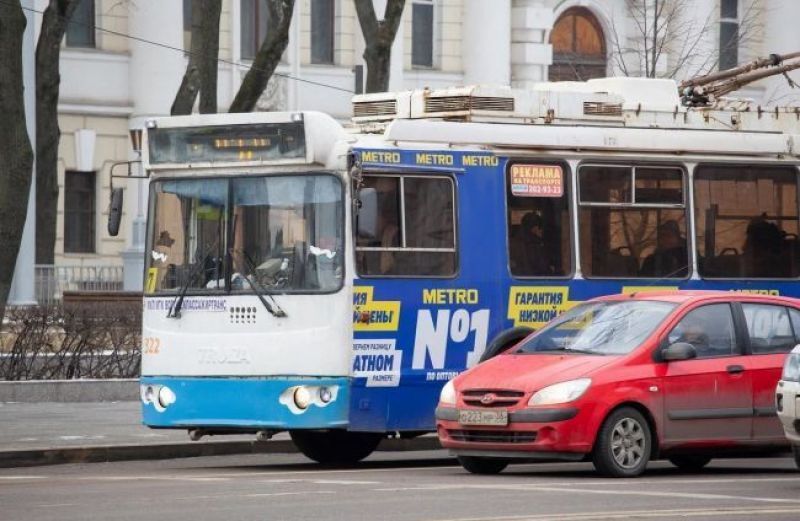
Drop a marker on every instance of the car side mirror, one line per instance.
(678, 351)
(367, 213)
(115, 211)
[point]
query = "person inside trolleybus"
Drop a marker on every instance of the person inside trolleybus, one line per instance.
(669, 258)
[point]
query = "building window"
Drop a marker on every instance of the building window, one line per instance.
(80, 31)
(422, 34)
(539, 242)
(579, 47)
(416, 228)
(728, 34)
(747, 221)
(633, 222)
(323, 15)
(254, 15)
(79, 210)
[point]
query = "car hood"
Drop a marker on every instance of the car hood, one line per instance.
(530, 372)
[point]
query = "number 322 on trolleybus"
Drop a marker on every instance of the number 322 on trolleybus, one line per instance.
(327, 281)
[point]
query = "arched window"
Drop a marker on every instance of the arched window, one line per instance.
(579, 46)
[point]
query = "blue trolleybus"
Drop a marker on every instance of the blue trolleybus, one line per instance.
(327, 280)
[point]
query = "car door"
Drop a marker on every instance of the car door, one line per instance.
(710, 397)
(770, 338)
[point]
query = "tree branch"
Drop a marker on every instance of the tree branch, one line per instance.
(267, 58)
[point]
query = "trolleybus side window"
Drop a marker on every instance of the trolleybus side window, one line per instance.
(747, 221)
(415, 230)
(538, 217)
(633, 222)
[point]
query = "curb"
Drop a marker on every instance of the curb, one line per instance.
(108, 453)
(82, 391)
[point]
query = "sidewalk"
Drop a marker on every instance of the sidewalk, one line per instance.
(49, 433)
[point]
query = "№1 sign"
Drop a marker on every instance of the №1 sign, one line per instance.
(537, 180)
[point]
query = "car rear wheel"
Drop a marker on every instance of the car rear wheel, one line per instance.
(336, 447)
(690, 462)
(481, 465)
(623, 445)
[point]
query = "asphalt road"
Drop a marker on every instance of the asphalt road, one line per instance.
(404, 487)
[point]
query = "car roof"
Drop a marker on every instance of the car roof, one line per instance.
(683, 296)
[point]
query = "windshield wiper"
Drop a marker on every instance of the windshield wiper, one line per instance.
(569, 349)
(174, 310)
(260, 291)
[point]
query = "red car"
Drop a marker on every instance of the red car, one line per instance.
(620, 380)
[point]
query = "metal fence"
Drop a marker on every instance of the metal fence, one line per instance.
(53, 281)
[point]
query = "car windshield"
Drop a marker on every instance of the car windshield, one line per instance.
(282, 233)
(602, 328)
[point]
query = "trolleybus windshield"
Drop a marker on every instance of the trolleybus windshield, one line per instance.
(284, 233)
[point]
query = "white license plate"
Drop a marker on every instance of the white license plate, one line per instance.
(493, 417)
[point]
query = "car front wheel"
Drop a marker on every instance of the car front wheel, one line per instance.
(479, 465)
(623, 445)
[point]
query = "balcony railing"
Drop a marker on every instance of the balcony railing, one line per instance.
(53, 281)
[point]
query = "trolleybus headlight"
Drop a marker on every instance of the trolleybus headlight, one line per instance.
(448, 395)
(325, 394)
(302, 398)
(166, 397)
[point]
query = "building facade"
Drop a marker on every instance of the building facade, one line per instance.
(122, 62)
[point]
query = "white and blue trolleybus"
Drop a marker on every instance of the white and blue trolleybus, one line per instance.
(327, 280)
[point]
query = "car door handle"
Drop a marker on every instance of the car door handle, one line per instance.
(735, 369)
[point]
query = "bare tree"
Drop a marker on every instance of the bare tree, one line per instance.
(16, 155)
(670, 38)
(378, 37)
(48, 80)
(201, 71)
(279, 19)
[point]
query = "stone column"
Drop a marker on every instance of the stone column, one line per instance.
(531, 53)
(23, 289)
(484, 62)
(155, 75)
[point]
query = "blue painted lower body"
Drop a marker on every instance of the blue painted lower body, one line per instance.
(244, 403)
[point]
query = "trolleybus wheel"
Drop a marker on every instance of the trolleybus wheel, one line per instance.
(505, 341)
(336, 447)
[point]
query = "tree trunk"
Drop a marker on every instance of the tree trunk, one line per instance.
(378, 39)
(16, 155)
(48, 51)
(268, 56)
(201, 71)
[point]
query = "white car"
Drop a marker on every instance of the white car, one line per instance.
(787, 399)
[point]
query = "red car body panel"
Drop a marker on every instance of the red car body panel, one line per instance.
(700, 404)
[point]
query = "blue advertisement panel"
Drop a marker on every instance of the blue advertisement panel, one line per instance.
(413, 333)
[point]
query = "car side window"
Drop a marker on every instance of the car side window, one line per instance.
(794, 315)
(709, 329)
(769, 328)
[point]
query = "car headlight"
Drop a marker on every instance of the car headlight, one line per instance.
(448, 394)
(791, 369)
(561, 392)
